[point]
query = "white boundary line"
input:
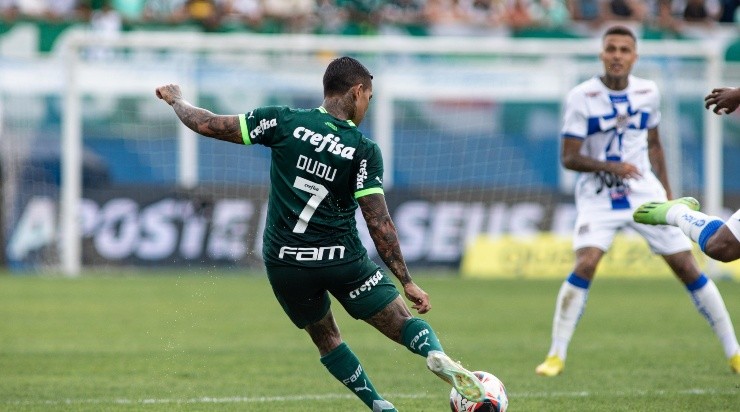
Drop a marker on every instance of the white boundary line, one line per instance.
(330, 396)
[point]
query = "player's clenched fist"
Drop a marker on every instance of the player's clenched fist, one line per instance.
(169, 93)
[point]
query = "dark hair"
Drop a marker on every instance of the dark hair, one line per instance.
(343, 73)
(621, 31)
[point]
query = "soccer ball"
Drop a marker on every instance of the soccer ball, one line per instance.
(496, 400)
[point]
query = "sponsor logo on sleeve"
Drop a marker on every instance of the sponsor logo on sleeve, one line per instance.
(263, 126)
(362, 174)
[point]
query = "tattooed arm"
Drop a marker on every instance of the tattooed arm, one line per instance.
(199, 120)
(385, 237)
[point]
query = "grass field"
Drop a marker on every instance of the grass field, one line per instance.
(221, 342)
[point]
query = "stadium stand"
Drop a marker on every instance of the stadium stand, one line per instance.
(521, 18)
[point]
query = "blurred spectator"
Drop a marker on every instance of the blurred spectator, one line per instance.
(32, 8)
(416, 17)
(330, 18)
(632, 10)
(586, 11)
(292, 16)
(204, 12)
(547, 14)
(486, 14)
(664, 18)
(518, 14)
(247, 13)
(105, 23)
(695, 11)
(363, 16)
(729, 11)
(552, 13)
(688, 18)
(406, 16)
(164, 11)
(86, 8)
(62, 9)
(445, 17)
(129, 10)
(8, 10)
(698, 11)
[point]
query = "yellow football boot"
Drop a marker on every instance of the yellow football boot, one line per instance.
(552, 366)
(735, 363)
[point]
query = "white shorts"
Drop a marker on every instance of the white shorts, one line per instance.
(733, 223)
(597, 229)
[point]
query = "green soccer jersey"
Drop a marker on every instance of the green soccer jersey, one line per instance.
(319, 166)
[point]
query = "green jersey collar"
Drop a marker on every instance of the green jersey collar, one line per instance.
(349, 122)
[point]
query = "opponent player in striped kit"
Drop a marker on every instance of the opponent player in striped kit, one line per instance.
(610, 135)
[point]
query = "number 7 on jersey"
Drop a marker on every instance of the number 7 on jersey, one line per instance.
(318, 193)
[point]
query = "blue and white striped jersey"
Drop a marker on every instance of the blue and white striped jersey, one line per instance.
(613, 125)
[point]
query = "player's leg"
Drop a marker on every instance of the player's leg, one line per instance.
(375, 299)
(593, 234)
(301, 293)
(675, 249)
(657, 212)
(724, 244)
(569, 306)
(396, 322)
(343, 364)
(714, 236)
(708, 302)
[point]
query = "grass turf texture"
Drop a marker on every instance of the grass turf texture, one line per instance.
(221, 342)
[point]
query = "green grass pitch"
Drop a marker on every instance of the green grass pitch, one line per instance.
(219, 341)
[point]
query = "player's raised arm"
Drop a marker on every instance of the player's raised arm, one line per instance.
(384, 235)
(200, 120)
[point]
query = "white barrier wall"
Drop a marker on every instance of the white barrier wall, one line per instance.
(464, 81)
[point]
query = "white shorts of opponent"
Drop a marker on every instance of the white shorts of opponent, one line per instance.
(598, 228)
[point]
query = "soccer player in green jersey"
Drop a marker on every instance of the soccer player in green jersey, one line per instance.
(322, 168)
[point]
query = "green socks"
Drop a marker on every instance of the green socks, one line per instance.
(342, 363)
(346, 368)
(419, 337)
